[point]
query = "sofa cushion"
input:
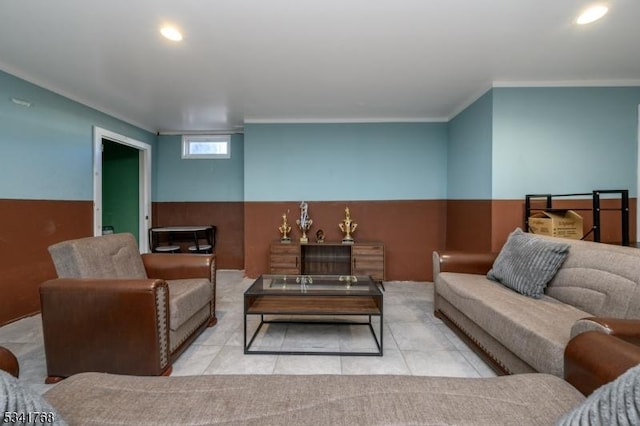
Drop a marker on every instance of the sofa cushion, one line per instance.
(186, 297)
(535, 330)
(524, 399)
(108, 256)
(617, 402)
(527, 263)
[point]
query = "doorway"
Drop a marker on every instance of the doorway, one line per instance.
(120, 188)
(122, 185)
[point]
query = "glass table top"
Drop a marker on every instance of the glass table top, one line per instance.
(313, 284)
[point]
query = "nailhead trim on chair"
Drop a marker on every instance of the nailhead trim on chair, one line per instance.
(161, 307)
(213, 281)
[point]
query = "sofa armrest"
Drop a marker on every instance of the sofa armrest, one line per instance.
(463, 262)
(180, 266)
(593, 359)
(9, 362)
(625, 329)
(119, 326)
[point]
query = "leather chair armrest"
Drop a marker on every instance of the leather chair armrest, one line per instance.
(463, 262)
(100, 285)
(119, 326)
(593, 359)
(180, 266)
(625, 329)
(9, 362)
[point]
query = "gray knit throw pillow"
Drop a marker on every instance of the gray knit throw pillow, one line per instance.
(527, 263)
(616, 403)
(22, 405)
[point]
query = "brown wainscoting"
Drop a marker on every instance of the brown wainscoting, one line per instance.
(410, 231)
(509, 214)
(469, 225)
(228, 217)
(506, 215)
(27, 228)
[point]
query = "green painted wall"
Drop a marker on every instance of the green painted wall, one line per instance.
(120, 187)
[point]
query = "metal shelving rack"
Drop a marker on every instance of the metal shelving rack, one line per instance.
(596, 209)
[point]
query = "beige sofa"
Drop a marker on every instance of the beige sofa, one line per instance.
(596, 288)
(526, 399)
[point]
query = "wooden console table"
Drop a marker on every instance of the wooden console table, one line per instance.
(366, 258)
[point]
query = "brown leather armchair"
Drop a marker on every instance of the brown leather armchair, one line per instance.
(113, 310)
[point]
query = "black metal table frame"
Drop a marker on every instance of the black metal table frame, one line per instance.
(263, 321)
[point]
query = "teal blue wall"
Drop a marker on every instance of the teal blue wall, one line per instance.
(469, 152)
(510, 142)
(46, 151)
(320, 162)
(564, 140)
(198, 180)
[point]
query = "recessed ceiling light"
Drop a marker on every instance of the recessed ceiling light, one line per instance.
(592, 14)
(171, 33)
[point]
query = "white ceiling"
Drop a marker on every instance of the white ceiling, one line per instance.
(308, 60)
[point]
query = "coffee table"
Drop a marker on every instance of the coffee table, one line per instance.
(286, 297)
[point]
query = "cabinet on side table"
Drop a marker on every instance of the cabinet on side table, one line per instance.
(368, 259)
(328, 258)
(284, 259)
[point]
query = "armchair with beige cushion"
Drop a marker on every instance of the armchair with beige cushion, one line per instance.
(114, 310)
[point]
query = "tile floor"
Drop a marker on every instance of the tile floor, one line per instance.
(415, 342)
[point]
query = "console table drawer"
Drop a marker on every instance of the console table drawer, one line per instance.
(368, 250)
(284, 259)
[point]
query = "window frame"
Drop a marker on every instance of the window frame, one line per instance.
(187, 140)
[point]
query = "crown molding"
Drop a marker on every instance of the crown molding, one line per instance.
(343, 120)
(466, 104)
(46, 86)
(568, 83)
(219, 132)
(457, 110)
(540, 84)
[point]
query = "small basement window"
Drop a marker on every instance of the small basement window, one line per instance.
(206, 146)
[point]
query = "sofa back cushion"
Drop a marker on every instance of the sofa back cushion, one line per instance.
(601, 279)
(108, 256)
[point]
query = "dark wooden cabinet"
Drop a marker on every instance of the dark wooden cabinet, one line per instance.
(328, 259)
(368, 259)
(284, 259)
